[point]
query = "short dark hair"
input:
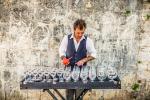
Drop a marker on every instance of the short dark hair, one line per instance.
(79, 23)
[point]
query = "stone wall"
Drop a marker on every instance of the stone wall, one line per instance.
(31, 31)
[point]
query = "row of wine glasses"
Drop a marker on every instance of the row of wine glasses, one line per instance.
(85, 73)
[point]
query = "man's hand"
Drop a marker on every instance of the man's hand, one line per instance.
(84, 60)
(65, 61)
(80, 62)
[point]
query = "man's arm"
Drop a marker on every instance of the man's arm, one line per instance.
(63, 47)
(62, 50)
(89, 58)
(62, 57)
(91, 53)
(84, 60)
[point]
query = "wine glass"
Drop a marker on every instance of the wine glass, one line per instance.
(35, 75)
(101, 74)
(75, 73)
(67, 74)
(39, 74)
(60, 74)
(25, 76)
(84, 74)
(92, 73)
(53, 74)
(30, 75)
(111, 73)
(47, 76)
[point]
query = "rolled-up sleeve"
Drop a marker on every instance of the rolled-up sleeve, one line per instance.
(63, 46)
(90, 48)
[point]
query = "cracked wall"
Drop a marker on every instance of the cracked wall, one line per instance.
(31, 31)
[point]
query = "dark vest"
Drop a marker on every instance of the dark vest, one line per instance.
(76, 55)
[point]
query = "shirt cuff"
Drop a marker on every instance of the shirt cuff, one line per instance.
(93, 55)
(62, 54)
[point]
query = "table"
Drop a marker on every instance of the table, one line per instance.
(46, 86)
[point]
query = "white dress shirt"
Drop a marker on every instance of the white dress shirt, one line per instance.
(89, 46)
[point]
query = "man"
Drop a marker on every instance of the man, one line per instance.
(76, 48)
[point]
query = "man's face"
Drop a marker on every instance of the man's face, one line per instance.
(79, 33)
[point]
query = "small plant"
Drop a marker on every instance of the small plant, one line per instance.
(135, 90)
(147, 17)
(135, 87)
(139, 62)
(127, 12)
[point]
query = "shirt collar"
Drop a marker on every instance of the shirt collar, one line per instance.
(72, 36)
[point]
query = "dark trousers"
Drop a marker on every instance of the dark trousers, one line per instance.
(72, 93)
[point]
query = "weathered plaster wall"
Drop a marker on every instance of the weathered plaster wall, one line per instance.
(31, 31)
